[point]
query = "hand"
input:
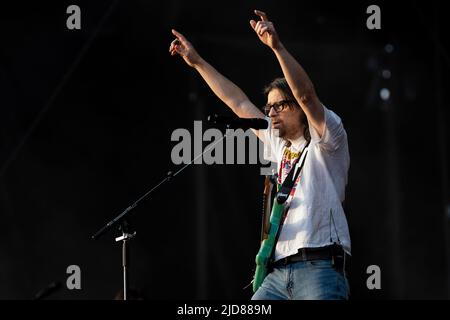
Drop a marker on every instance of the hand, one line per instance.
(184, 48)
(266, 31)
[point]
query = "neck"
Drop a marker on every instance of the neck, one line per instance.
(295, 135)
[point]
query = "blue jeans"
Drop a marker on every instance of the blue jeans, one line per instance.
(305, 280)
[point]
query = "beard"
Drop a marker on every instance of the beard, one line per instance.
(279, 131)
(282, 132)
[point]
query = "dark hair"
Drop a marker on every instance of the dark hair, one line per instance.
(282, 85)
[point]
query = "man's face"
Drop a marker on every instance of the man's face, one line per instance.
(286, 120)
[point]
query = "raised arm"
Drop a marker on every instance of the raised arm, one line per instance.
(296, 77)
(223, 88)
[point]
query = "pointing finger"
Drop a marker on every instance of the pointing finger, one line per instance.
(179, 36)
(262, 14)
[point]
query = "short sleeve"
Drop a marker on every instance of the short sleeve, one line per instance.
(272, 143)
(334, 134)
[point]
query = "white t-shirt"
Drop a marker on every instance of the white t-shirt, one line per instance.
(317, 198)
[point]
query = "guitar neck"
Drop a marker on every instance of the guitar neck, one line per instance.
(266, 207)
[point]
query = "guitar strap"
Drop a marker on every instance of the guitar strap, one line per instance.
(286, 187)
(288, 183)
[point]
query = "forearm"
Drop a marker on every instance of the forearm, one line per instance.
(302, 88)
(222, 87)
(296, 76)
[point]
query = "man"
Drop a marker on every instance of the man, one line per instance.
(309, 258)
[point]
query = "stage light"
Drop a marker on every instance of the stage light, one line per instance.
(389, 48)
(385, 94)
(386, 74)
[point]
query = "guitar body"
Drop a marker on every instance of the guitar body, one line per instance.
(264, 256)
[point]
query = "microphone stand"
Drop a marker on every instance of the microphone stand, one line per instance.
(124, 226)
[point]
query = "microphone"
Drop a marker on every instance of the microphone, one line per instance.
(239, 123)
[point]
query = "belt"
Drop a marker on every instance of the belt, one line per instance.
(309, 254)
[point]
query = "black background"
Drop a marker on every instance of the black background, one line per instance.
(86, 118)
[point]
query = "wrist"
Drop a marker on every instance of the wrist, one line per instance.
(278, 48)
(198, 63)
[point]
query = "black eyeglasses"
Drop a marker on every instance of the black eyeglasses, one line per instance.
(277, 106)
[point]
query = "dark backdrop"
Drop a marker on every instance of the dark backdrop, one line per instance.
(86, 119)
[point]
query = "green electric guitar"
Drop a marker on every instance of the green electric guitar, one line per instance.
(269, 235)
(271, 229)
